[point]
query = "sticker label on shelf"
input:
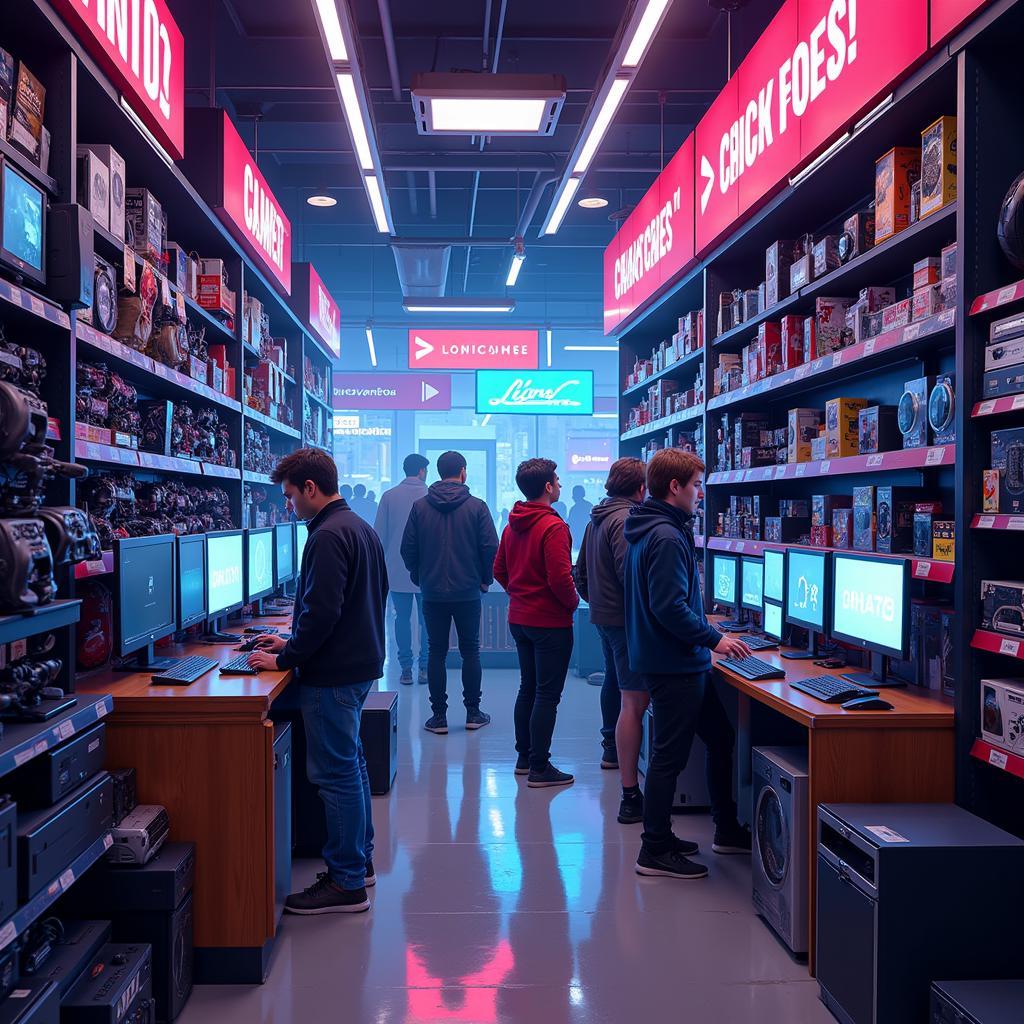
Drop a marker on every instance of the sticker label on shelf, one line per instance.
(36, 305)
(16, 296)
(987, 408)
(874, 461)
(1015, 523)
(1010, 647)
(911, 332)
(826, 466)
(935, 456)
(101, 709)
(801, 469)
(1006, 294)
(886, 834)
(108, 841)
(922, 570)
(7, 935)
(41, 747)
(998, 758)
(986, 522)
(1017, 403)
(837, 359)
(65, 729)
(67, 879)
(19, 648)
(24, 755)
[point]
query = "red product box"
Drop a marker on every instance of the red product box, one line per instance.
(229, 382)
(821, 536)
(897, 315)
(791, 341)
(927, 272)
(219, 355)
(769, 348)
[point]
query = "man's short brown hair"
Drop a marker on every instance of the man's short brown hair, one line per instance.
(625, 478)
(671, 464)
(308, 464)
(533, 476)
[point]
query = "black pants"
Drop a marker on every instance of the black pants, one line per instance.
(543, 662)
(684, 706)
(439, 616)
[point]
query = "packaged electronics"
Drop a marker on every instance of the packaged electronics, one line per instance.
(858, 235)
(842, 528)
(944, 540)
(1005, 353)
(925, 515)
(942, 409)
(1008, 458)
(913, 412)
(864, 518)
(877, 429)
(70, 952)
(114, 163)
(842, 426)
(26, 128)
(139, 836)
(926, 272)
(8, 857)
(990, 490)
(33, 1001)
(147, 220)
(894, 519)
(926, 302)
(786, 529)
(116, 988)
(801, 272)
(1005, 329)
(1002, 606)
(1002, 713)
(51, 775)
(7, 79)
(104, 303)
(826, 255)
(948, 261)
(938, 165)
(830, 324)
(94, 186)
(125, 793)
(778, 260)
(895, 173)
(1005, 381)
(804, 425)
(792, 341)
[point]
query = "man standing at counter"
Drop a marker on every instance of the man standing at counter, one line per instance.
(336, 653)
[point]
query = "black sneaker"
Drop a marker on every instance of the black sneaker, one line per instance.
(522, 765)
(609, 759)
(684, 846)
(437, 723)
(423, 677)
(735, 839)
(406, 676)
(371, 875)
(550, 776)
(669, 865)
(477, 719)
(324, 897)
(631, 810)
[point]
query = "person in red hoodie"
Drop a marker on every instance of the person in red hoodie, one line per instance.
(534, 565)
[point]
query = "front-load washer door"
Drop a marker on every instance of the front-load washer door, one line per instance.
(772, 837)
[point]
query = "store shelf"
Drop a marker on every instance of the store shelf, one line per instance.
(997, 643)
(998, 406)
(997, 522)
(847, 362)
(885, 462)
(256, 478)
(221, 472)
(256, 416)
(155, 377)
(736, 337)
(998, 758)
(928, 570)
(106, 453)
(251, 350)
(38, 620)
(98, 567)
(30, 168)
(669, 371)
(318, 401)
(29, 303)
(693, 413)
(998, 297)
(316, 444)
(170, 464)
(25, 916)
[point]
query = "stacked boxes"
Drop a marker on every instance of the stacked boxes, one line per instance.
(895, 173)
(842, 426)
(804, 426)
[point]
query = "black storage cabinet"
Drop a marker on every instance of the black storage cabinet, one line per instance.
(977, 1002)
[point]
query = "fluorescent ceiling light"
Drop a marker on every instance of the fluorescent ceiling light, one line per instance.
(322, 201)
(820, 161)
(150, 137)
(562, 206)
(494, 117)
(469, 304)
(380, 215)
(645, 30)
(592, 202)
(513, 269)
(548, 333)
(600, 124)
(329, 22)
(370, 345)
(591, 348)
(354, 116)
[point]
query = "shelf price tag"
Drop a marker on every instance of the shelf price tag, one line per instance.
(1007, 294)
(826, 466)
(1010, 647)
(986, 522)
(8, 934)
(801, 469)
(801, 372)
(837, 359)
(65, 729)
(997, 758)
(1017, 403)
(36, 305)
(874, 461)
(869, 347)
(15, 295)
(987, 408)
(67, 879)
(911, 332)
(922, 570)
(1015, 523)
(935, 457)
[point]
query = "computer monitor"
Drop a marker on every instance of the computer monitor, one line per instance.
(191, 580)
(870, 598)
(772, 620)
(725, 587)
(224, 578)
(22, 225)
(301, 535)
(284, 560)
(752, 584)
(259, 564)
(144, 609)
(807, 578)
(774, 575)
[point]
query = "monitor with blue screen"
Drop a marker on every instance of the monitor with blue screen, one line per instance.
(807, 580)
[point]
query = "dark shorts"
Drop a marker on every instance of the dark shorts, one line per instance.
(616, 659)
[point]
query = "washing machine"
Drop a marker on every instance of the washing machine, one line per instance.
(781, 838)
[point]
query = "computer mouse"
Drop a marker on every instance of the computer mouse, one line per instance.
(866, 704)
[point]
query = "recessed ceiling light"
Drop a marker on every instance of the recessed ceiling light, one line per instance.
(593, 203)
(322, 201)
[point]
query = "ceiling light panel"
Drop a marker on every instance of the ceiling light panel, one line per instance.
(354, 116)
(466, 304)
(327, 12)
(644, 32)
(600, 124)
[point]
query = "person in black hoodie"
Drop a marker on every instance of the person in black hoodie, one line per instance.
(670, 642)
(448, 547)
(336, 653)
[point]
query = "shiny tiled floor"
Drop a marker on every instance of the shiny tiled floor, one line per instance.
(497, 903)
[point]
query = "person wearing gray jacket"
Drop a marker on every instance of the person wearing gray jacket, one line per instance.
(392, 515)
(599, 579)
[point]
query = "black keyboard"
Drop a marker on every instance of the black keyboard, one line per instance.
(760, 643)
(260, 629)
(188, 670)
(752, 668)
(832, 689)
(239, 667)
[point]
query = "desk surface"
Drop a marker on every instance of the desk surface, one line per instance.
(913, 708)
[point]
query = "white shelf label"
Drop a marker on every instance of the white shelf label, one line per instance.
(66, 729)
(986, 522)
(826, 466)
(23, 756)
(1006, 294)
(911, 332)
(869, 347)
(837, 359)
(801, 469)
(16, 296)
(101, 709)
(874, 461)
(1017, 403)
(7, 934)
(108, 841)
(67, 879)
(986, 408)
(37, 306)
(19, 648)
(886, 834)
(1010, 647)
(997, 758)
(41, 747)
(922, 570)
(935, 457)
(1015, 523)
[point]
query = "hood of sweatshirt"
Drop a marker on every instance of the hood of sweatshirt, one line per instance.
(652, 514)
(525, 515)
(447, 495)
(609, 507)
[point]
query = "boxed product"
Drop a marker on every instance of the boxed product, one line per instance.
(801, 272)
(1004, 353)
(114, 163)
(750, 301)
(944, 540)
(864, 518)
(1006, 381)
(927, 271)
(842, 528)
(1002, 713)
(830, 318)
(875, 299)
(147, 220)
(895, 173)
(1008, 459)
(842, 426)
(792, 341)
(810, 339)
(894, 519)
(913, 412)
(778, 259)
(938, 165)
(923, 534)
(177, 265)
(897, 315)
(1006, 328)
(769, 354)
(915, 202)
(28, 105)
(926, 302)
(821, 536)
(949, 643)
(877, 430)
(157, 417)
(804, 426)
(753, 457)
(94, 186)
(926, 643)
(1002, 606)
(942, 409)
(215, 377)
(858, 235)
(824, 505)
(819, 450)
(197, 368)
(786, 529)
(948, 292)
(826, 255)
(990, 490)
(7, 79)
(948, 261)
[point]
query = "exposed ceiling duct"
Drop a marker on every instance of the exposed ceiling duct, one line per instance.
(422, 267)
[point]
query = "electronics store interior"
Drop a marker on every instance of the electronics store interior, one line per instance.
(650, 370)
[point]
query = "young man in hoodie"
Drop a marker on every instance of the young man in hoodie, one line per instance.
(670, 643)
(448, 547)
(624, 696)
(392, 515)
(534, 566)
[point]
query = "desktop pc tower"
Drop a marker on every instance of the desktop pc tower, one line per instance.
(378, 729)
(691, 786)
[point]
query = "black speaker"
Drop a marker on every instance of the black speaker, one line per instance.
(378, 729)
(70, 256)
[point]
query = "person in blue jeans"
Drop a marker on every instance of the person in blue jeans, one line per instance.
(342, 593)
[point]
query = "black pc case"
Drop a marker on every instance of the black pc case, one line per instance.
(73, 952)
(977, 1002)
(55, 773)
(33, 1001)
(116, 988)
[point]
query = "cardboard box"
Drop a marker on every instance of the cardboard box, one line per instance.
(842, 426)
(842, 528)
(157, 416)
(1002, 713)
(786, 529)
(824, 505)
(826, 255)
(830, 321)
(197, 369)
(944, 540)
(949, 648)
(216, 377)
(769, 340)
(864, 518)
(1004, 353)
(927, 271)
(94, 186)
(897, 315)
(875, 299)
(923, 545)
(7, 80)
(810, 339)
(877, 430)
(948, 260)
(990, 490)
(858, 235)
(942, 409)
(1002, 606)
(177, 266)
(1008, 458)
(821, 536)
(819, 451)
(804, 425)
(927, 302)
(801, 272)
(791, 334)
(28, 104)
(1006, 381)
(114, 163)
(147, 220)
(894, 519)
(938, 165)
(913, 412)
(777, 261)
(895, 172)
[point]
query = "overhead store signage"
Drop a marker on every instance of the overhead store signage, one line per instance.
(948, 15)
(654, 245)
(473, 350)
(315, 305)
(586, 452)
(540, 393)
(141, 48)
(391, 391)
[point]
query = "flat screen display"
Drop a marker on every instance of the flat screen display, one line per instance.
(805, 600)
(301, 533)
(146, 590)
(224, 571)
(773, 620)
(22, 218)
(284, 539)
(774, 575)
(753, 583)
(724, 570)
(259, 564)
(868, 598)
(191, 580)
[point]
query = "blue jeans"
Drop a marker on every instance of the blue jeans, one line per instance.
(336, 765)
(403, 629)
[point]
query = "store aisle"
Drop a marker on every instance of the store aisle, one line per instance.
(497, 903)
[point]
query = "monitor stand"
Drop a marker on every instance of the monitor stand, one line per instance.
(146, 661)
(737, 625)
(807, 655)
(216, 636)
(873, 681)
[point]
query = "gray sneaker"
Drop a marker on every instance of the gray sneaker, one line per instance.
(324, 897)
(550, 776)
(477, 719)
(438, 724)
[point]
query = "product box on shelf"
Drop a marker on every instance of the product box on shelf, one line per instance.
(830, 318)
(990, 490)
(751, 301)
(177, 265)
(944, 540)
(938, 165)
(864, 518)
(927, 271)
(118, 187)
(791, 339)
(810, 339)
(923, 534)
(147, 220)
(826, 255)
(927, 301)
(25, 129)
(1006, 328)
(801, 272)
(7, 79)
(1008, 459)
(1004, 353)
(157, 417)
(823, 506)
(1002, 713)
(94, 185)
(1006, 381)
(948, 261)
(1002, 606)
(894, 519)
(875, 299)
(215, 377)
(913, 412)
(842, 426)
(897, 314)
(942, 409)
(877, 430)
(842, 528)
(778, 260)
(786, 529)
(769, 351)
(819, 448)
(197, 368)
(858, 235)
(821, 536)
(804, 425)
(950, 640)
(895, 173)
(915, 202)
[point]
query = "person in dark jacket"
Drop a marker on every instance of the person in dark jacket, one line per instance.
(670, 642)
(624, 697)
(448, 547)
(534, 566)
(336, 653)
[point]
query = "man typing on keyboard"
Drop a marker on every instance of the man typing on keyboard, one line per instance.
(670, 640)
